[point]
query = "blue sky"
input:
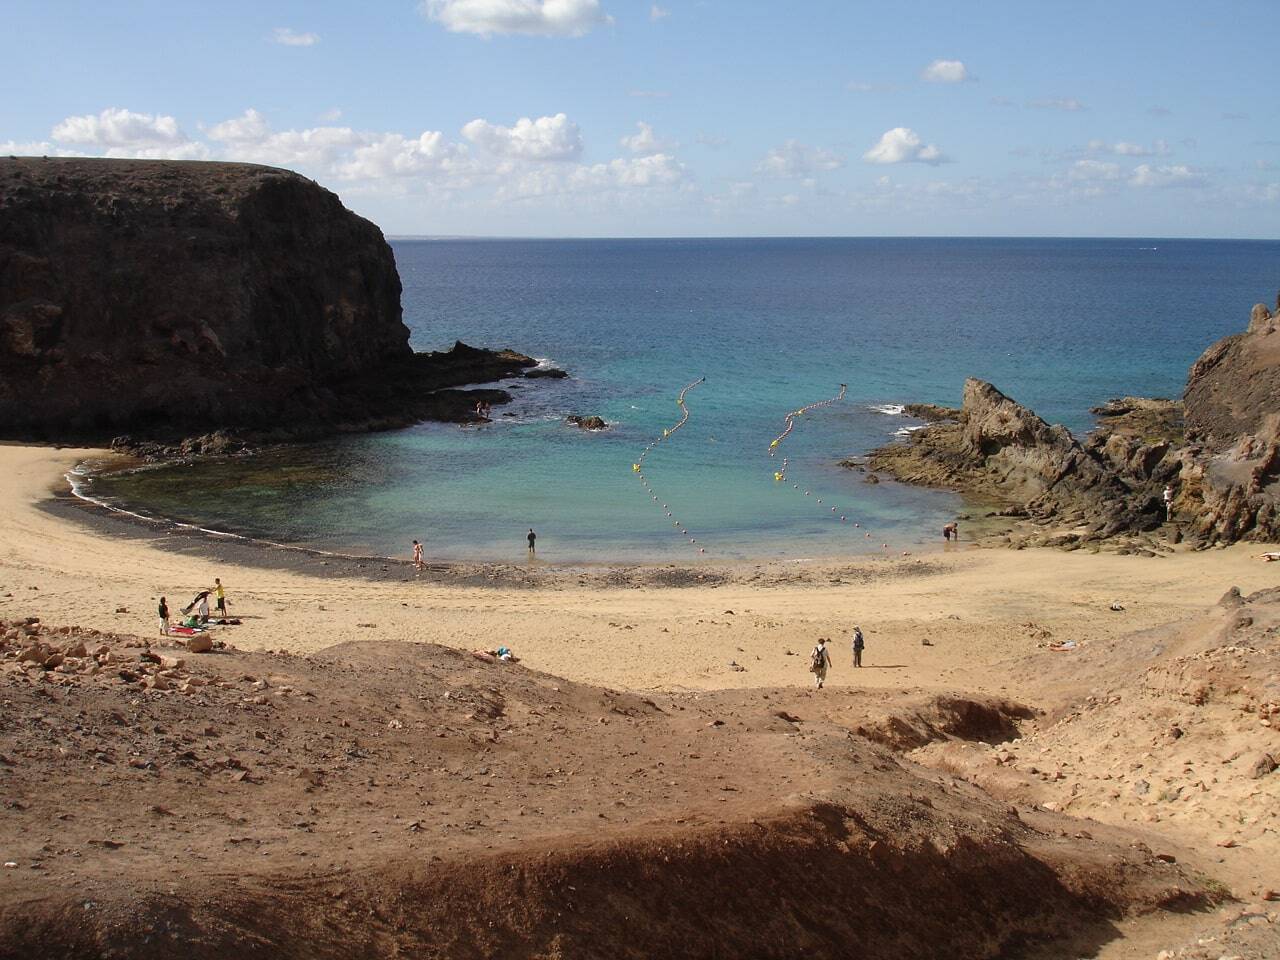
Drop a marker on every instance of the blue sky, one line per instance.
(686, 117)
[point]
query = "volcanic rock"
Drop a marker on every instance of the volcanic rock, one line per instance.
(587, 423)
(171, 298)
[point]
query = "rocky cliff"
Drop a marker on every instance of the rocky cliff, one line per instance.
(1230, 481)
(168, 298)
(995, 447)
(1219, 448)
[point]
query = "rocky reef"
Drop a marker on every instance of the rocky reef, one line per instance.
(1219, 448)
(167, 299)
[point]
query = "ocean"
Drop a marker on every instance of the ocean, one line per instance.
(772, 325)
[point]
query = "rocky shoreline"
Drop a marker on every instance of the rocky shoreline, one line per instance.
(1217, 450)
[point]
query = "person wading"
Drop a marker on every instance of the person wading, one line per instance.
(820, 662)
(532, 538)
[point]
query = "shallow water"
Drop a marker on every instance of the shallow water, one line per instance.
(773, 325)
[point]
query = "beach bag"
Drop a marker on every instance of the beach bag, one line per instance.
(817, 660)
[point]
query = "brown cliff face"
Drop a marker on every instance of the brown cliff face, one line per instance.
(1232, 483)
(1236, 382)
(170, 297)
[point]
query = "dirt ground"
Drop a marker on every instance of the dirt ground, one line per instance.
(657, 777)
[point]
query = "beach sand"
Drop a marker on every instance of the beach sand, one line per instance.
(941, 626)
(977, 608)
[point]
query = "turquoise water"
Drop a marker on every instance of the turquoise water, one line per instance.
(772, 325)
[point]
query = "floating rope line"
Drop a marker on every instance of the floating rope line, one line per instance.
(780, 475)
(638, 467)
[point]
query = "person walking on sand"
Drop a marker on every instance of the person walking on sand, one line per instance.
(163, 611)
(858, 645)
(220, 596)
(1168, 502)
(417, 554)
(532, 538)
(820, 662)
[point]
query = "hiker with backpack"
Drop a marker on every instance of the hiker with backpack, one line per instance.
(820, 661)
(858, 645)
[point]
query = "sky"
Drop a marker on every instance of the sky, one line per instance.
(1150, 118)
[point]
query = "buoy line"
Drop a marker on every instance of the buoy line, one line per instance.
(780, 475)
(638, 467)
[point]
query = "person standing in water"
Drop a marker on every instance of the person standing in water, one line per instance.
(417, 554)
(531, 538)
(858, 645)
(820, 662)
(951, 531)
(163, 611)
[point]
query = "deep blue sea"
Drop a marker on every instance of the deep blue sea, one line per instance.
(773, 325)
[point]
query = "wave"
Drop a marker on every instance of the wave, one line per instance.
(888, 409)
(907, 431)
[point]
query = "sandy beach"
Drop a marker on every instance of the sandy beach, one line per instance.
(977, 608)
(955, 637)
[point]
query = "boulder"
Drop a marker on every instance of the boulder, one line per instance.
(200, 643)
(587, 423)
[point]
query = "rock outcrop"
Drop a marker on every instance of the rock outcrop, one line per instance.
(997, 447)
(1230, 482)
(170, 298)
(587, 423)
(1219, 448)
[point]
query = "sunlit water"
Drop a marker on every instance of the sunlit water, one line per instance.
(773, 325)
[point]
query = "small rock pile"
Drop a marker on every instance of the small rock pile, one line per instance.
(71, 656)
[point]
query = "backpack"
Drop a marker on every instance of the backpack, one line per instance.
(817, 659)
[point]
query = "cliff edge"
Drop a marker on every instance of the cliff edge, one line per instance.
(168, 297)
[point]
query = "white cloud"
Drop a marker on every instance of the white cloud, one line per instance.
(903, 145)
(1147, 175)
(861, 86)
(1094, 170)
(657, 13)
(1124, 148)
(332, 115)
(644, 142)
(544, 18)
(1067, 104)
(288, 37)
(547, 138)
(660, 169)
(945, 71)
(249, 138)
(36, 148)
(115, 127)
(250, 126)
(395, 155)
(795, 159)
